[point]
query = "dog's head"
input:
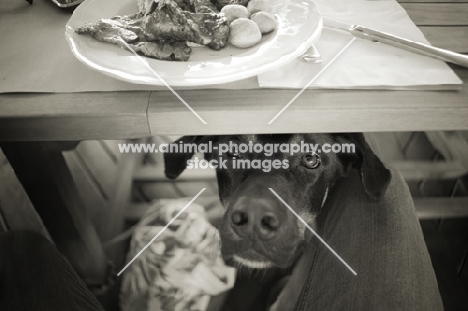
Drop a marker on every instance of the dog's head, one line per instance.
(259, 230)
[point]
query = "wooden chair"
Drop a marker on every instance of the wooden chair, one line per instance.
(451, 163)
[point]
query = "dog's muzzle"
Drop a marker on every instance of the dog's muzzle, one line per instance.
(257, 229)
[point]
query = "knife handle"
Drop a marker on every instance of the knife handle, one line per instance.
(417, 47)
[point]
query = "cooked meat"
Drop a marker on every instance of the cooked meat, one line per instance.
(168, 21)
(113, 31)
(201, 6)
(161, 29)
(163, 50)
(148, 6)
(108, 30)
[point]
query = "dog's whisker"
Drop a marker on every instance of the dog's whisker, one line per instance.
(240, 268)
(256, 272)
(261, 273)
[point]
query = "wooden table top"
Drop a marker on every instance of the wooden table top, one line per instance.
(121, 115)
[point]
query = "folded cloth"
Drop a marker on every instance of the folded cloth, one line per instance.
(365, 64)
(182, 269)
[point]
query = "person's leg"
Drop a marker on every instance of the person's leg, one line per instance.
(35, 276)
(382, 241)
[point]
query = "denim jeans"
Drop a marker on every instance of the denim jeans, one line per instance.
(382, 241)
(34, 276)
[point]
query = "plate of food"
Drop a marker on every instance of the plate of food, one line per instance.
(191, 42)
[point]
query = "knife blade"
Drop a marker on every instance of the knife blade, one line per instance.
(399, 42)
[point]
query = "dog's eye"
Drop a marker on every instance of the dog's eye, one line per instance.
(311, 160)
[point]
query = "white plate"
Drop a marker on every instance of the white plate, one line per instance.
(300, 24)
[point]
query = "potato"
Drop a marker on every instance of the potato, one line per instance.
(244, 33)
(222, 3)
(235, 11)
(265, 21)
(255, 6)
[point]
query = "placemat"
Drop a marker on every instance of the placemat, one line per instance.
(365, 64)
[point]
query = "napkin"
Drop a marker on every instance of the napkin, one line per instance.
(365, 64)
(182, 269)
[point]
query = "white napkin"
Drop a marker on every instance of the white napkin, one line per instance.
(365, 64)
(182, 270)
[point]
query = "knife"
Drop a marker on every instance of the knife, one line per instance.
(402, 43)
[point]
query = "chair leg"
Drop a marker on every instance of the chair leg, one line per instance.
(16, 210)
(114, 218)
(41, 169)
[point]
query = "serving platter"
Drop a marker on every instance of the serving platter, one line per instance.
(299, 25)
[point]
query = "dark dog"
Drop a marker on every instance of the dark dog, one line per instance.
(259, 231)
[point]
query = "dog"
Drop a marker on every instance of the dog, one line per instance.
(258, 230)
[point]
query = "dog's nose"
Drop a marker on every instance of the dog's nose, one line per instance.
(255, 218)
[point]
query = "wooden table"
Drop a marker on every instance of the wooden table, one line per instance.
(118, 115)
(122, 115)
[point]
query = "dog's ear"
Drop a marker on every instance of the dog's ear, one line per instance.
(375, 176)
(176, 163)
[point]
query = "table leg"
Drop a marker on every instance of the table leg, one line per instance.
(41, 169)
